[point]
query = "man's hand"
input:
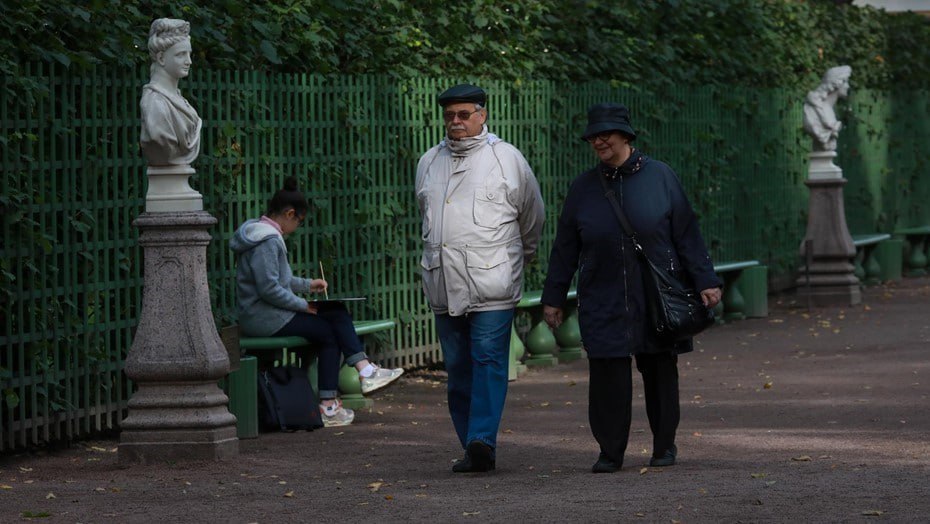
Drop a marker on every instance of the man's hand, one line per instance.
(711, 297)
(553, 316)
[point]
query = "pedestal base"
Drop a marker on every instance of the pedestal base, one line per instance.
(173, 422)
(826, 296)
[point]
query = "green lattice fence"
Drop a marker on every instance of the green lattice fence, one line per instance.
(73, 181)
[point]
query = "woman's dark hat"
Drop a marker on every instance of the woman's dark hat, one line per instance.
(463, 93)
(608, 117)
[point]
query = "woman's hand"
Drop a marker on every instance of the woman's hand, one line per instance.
(311, 308)
(553, 316)
(711, 297)
(318, 285)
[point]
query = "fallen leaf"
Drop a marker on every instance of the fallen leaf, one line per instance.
(767, 385)
(100, 490)
(758, 475)
(697, 434)
(289, 494)
(25, 470)
(642, 471)
(96, 448)
(802, 458)
(508, 431)
(50, 496)
(544, 404)
(389, 497)
(470, 513)
(375, 486)
(873, 513)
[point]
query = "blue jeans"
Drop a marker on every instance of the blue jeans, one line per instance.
(476, 351)
(333, 335)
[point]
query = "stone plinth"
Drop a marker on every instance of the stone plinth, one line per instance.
(170, 191)
(178, 412)
(831, 280)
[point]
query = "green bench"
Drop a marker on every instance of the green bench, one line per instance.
(543, 346)
(873, 251)
(745, 290)
(259, 352)
(915, 249)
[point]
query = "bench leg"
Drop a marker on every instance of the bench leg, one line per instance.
(350, 389)
(917, 260)
(858, 263)
(568, 335)
(733, 302)
(517, 349)
(873, 270)
(541, 346)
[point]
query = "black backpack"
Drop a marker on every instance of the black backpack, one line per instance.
(286, 401)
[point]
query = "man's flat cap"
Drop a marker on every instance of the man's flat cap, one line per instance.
(463, 93)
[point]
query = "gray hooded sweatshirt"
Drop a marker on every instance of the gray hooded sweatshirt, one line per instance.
(265, 285)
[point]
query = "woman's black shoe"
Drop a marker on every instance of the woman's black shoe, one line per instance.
(667, 459)
(605, 464)
(478, 459)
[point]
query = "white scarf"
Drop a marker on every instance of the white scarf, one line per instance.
(463, 147)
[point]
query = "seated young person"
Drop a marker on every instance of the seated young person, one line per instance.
(269, 305)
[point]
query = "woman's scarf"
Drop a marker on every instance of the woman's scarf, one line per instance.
(630, 167)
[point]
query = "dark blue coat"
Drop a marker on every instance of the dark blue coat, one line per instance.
(590, 240)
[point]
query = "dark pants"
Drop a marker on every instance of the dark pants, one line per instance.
(333, 336)
(610, 398)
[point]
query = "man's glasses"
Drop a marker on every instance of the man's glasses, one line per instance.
(448, 116)
(603, 137)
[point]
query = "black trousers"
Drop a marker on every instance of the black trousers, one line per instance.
(610, 399)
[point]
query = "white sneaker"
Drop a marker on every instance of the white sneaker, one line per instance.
(335, 415)
(380, 378)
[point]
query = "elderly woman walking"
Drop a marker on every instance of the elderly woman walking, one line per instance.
(611, 305)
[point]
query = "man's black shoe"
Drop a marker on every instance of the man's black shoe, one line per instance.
(478, 459)
(667, 458)
(605, 464)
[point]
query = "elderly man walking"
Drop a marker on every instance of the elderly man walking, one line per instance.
(482, 217)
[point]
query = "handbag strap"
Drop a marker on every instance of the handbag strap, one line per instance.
(624, 222)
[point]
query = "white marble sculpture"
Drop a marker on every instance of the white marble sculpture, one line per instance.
(170, 125)
(819, 117)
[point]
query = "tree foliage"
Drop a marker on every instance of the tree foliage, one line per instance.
(647, 44)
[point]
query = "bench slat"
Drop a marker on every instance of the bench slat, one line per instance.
(362, 327)
(723, 267)
(534, 298)
(865, 240)
(919, 230)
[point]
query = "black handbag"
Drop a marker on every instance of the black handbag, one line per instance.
(286, 401)
(675, 312)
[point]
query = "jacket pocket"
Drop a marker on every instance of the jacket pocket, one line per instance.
(490, 274)
(433, 285)
(489, 208)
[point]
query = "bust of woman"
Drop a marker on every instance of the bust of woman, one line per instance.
(819, 118)
(170, 125)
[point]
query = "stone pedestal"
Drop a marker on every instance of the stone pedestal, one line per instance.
(178, 412)
(830, 280)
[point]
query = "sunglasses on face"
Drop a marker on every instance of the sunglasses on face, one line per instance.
(603, 137)
(448, 116)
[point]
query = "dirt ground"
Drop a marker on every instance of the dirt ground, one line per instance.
(819, 417)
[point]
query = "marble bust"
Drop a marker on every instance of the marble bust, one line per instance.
(819, 117)
(170, 125)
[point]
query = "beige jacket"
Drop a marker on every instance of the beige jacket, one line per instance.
(482, 217)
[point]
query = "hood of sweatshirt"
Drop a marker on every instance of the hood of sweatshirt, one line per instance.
(252, 233)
